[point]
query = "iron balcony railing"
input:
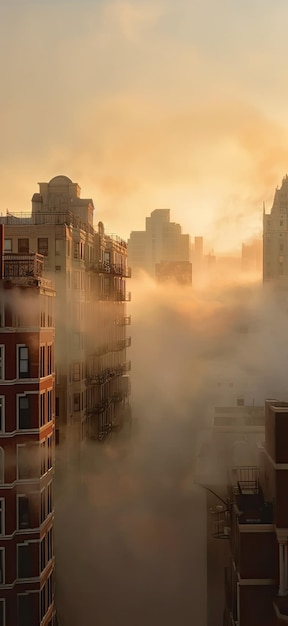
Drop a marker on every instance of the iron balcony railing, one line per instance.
(123, 321)
(102, 377)
(121, 344)
(117, 396)
(47, 217)
(104, 267)
(245, 479)
(23, 265)
(221, 522)
(101, 406)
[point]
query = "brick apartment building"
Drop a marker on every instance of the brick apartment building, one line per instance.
(256, 518)
(27, 441)
(89, 270)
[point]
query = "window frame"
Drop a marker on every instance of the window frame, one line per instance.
(27, 411)
(24, 374)
(2, 362)
(2, 414)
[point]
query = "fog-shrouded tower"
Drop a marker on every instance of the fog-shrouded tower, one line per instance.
(275, 238)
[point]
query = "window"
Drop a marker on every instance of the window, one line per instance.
(23, 361)
(75, 371)
(42, 554)
(75, 249)
(43, 507)
(7, 245)
(24, 417)
(2, 566)
(49, 498)
(26, 604)
(50, 370)
(2, 314)
(50, 544)
(240, 401)
(2, 414)
(43, 457)
(23, 246)
(2, 364)
(42, 409)
(43, 605)
(2, 516)
(57, 407)
(42, 361)
(57, 246)
(49, 398)
(43, 246)
(76, 402)
(25, 561)
(1, 465)
(23, 511)
(2, 613)
(28, 461)
(50, 453)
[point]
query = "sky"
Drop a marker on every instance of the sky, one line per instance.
(147, 104)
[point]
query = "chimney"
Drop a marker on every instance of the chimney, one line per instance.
(1, 251)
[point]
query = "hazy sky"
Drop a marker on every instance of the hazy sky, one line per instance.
(147, 104)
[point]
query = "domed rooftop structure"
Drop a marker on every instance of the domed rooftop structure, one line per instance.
(60, 180)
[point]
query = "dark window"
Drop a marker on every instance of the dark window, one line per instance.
(23, 246)
(42, 554)
(42, 361)
(42, 409)
(49, 348)
(50, 456)
(43, 507)
(43, 457)
(2, 516)
(2, 612)
(76, 402)
(24, 412)
(23, 361)
(26, 609)
(25, 567)
(43, 246)
(49, 398)
(57, 407)
(49, 499)
(2, 566)
(1, 414)
(23, 512)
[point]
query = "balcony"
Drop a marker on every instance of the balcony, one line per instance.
(101, 406)
(122, 344)
(117, 396)
(126, 367)
(221, 522)
(102, 377)
(104, 267)
(248, 495)
(123, 321)
(23, 265)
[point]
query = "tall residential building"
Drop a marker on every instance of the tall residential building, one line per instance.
(256, 519)
(161, 242)
(275, 237)
(27, 441)
(89, 271)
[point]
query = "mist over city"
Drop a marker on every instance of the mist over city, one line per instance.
(143, 313)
